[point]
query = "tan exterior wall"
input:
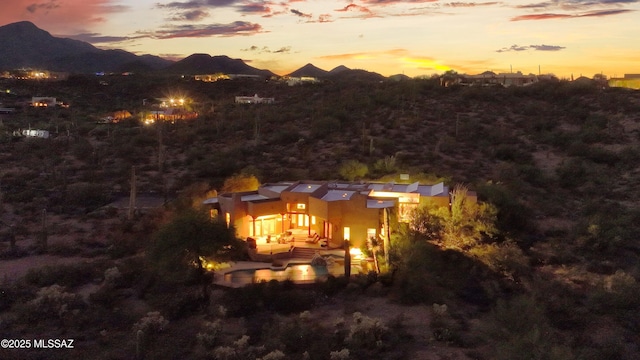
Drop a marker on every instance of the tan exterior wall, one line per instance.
(263, 208)
(355, 215)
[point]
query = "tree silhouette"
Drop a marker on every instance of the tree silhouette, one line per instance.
(179, 247)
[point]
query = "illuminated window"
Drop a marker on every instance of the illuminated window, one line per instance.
(213, 213)
(313, 220)
(347, 233)
(371, 233)
(227, 219)
(301, 206)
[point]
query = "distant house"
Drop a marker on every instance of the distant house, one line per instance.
(43, 101)
(335, 211)
(170, 114)
(253, 100)
(43, 134)
(46, 101)
(245, 76)
(292, 81)
(489, 78)
(629, 81)
(212, 77)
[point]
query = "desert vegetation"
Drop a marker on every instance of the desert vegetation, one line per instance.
(545, 266)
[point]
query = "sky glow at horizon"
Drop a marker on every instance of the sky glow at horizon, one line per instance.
(414, 37)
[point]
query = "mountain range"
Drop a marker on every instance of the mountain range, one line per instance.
(24, 45)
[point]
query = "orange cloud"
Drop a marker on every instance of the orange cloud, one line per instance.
(58, 16)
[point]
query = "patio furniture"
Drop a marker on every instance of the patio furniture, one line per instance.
(313, 239)
(285, 237)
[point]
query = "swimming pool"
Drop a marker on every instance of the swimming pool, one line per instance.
(298, 273)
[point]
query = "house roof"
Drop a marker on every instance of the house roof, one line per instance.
(253, 197)
(338, 195)
(278, 188)
(433, 190)
(306, 188)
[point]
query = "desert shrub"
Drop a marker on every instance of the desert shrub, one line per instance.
(279, 297)
(339, 355)
(333, 285)
(513, 153)
(84, 196)
(64, 275)
(616, 292)
(505, 258)
(51, 302)
(296, 335)
(240, 349)
(518, 329)
(443, 326)
(324, 126)
(152, 323)
(367, 336)
(13, 293)
(352, 169)
(211, 334)
(571, 174)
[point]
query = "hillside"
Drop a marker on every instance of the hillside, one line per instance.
(26, 46)
(559, 160)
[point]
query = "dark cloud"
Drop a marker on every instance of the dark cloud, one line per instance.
(575, 4)
(532, 47)
(283, 50)
(544, 47)
(255, 8)
(604, 13)
(540, 17)
(46, 6)
(95, 38)
(300, 13)
(546, 16)
(237, 28)
(513, 48)
(192, 15)
(265, 49)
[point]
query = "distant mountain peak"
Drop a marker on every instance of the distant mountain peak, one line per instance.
(339, 69)
(26, 45)
(310, 70)
(199, 63)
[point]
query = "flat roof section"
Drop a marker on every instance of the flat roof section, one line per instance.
(337, 195)
(276, 188)
(253, 197)
(433, 190)
(306, 188)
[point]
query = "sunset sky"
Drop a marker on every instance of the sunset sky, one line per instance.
(414, 37)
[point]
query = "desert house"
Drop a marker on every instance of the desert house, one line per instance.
(255, 99)
(328, 210)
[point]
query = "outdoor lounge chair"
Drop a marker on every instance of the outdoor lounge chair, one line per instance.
(313, 239)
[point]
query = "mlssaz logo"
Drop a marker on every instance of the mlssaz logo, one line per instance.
(53, 343)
